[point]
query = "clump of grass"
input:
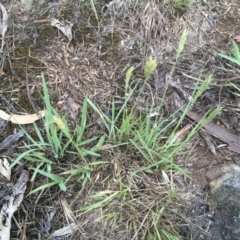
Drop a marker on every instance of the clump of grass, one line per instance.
(57, 141)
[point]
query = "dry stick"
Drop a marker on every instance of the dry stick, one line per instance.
(12, 36)
(41, 21)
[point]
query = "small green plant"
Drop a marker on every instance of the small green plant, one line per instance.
(182, 4)
(235, 52)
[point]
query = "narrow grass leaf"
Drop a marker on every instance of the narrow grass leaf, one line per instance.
(235, 50)
(181, 44)
(80, 129)
(232, 85)
(52, 176)
(94, 8)
(110, 216)
(37, 158)
(78, 170)
(21, 156)
(229, 58)
(62, 186)
(37, 131)
(48, 185)
(99, 204)
(169, 236)
(36, 172)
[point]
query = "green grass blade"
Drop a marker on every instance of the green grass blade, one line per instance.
(52, 176)
(94, 8)
(45, 186)
(229, 58)
(21, 156)
(235, 50)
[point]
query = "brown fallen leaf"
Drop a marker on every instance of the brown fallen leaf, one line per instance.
(22, 119)
(182, 133)
(221, 133)
(66, 29)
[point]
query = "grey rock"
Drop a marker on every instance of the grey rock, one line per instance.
(225, 197)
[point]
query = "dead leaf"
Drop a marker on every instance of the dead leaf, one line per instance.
(22, 119)
(4, 168)
(3, 25)
(69, 229)
(237, 38)
(209, 140)
(9, 141)
(182, 133)
(65, 29)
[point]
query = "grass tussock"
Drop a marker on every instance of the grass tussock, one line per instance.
(121, 183)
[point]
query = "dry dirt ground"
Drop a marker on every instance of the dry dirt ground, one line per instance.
(94, 63)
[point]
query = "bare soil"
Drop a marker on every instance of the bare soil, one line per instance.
(94, 63)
